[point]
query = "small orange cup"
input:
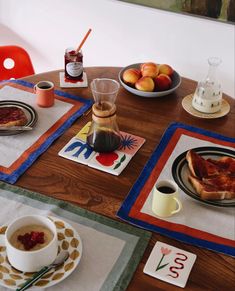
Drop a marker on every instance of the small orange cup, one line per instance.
(45, 93)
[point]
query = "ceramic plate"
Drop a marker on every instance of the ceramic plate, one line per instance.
(176, 81)
(29, 111)
(187, 105)
(68, 239)
(180, 172)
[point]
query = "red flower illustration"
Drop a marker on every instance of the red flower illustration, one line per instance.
(165, 251)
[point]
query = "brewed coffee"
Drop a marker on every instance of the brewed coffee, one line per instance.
(165, 190)
(44, 87)
(104, 141)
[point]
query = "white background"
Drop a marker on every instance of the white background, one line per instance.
(122, 34)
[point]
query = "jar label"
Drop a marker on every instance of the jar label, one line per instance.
(74, 69)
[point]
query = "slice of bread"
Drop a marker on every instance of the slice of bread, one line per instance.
(212, 179)
(12, 116)
(200, 167)
(208, 191)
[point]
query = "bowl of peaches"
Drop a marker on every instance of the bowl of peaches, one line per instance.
(149, 79)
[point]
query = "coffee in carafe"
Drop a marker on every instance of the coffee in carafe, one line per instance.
(104, 135)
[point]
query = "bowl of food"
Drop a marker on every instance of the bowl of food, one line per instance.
(31, 242)
(149, 79)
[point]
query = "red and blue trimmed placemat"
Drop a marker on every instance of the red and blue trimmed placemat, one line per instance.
(79, 107)
(133, 209)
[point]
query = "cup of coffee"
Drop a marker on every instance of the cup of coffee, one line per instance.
(165, 198)
(45, 93)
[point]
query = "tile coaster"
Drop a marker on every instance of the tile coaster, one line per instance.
(78, 84)
(114, 163)
(170, 264)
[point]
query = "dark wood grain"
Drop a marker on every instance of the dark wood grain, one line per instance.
(103, 193)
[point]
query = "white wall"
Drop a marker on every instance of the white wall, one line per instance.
(122, 34)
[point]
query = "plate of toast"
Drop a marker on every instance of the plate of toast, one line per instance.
(16, 114)
(207, 174)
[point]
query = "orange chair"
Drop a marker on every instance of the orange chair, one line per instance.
(15, 63)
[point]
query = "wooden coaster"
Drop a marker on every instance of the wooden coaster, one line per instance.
(187, 105)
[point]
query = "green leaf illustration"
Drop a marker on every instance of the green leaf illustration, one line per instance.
(123, 158)
(119, 163)
(117, 166)
(162, 266)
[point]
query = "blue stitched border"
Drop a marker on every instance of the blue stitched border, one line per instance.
(12, 178)
(125, 208)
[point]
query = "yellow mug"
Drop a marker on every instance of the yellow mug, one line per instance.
(165, 198)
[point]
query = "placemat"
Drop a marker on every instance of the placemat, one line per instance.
(111, 250)
(200, 224)
(19, 151)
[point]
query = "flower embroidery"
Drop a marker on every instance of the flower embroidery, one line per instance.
(165, 252)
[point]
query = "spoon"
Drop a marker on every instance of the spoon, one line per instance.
(60, 259)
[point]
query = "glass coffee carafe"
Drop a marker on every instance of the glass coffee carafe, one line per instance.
(104, 135)
(208, 95)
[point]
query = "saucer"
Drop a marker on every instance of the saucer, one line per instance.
(68, 239)
(187, 105)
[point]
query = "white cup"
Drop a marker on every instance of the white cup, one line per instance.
(165, 198)
(31, 261)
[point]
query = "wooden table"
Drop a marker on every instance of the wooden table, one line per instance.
(101, 193)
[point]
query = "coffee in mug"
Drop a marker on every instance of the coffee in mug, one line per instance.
(45, 93)
(165, 198)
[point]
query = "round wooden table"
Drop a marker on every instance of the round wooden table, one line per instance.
(101, 193)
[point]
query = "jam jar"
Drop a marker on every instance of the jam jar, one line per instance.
(73, 64)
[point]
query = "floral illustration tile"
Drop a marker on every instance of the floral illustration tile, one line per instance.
(130, 143)
(82, 134)
(170, 264)
(112, 163)
(78, 151)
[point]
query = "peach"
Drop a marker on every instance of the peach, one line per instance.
(166, 69)
(162, 82)
(145, 84)
(149, 70)
(130, 76)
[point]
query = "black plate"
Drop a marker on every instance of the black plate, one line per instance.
(29, 111)
(180, 172)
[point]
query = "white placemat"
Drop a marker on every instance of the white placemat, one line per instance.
(110, 250)
(12, 147)
(215, 220)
